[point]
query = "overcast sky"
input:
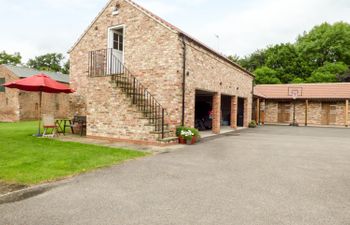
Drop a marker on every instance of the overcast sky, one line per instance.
(35, 27)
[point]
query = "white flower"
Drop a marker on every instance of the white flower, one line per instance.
(187, 133)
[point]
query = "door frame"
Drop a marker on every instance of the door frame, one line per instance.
(110, 36)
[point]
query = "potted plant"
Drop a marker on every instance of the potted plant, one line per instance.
(196, 135)
(187, 135)
(178, 134)
(252, 124)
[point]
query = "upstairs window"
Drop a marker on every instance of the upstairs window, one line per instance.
(118, 41)
(2, 81)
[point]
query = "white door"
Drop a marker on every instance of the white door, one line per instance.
(115, 52)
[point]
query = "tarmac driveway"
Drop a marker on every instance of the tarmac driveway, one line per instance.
(270, 175)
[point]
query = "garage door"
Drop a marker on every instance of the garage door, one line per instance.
(329, 114)
(284, 112)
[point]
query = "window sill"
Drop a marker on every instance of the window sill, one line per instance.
(115, 13)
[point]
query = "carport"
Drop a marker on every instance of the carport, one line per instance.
(225, 110)
(215, 112)
(203, 110)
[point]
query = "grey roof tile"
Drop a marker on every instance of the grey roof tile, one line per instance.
(24, 72)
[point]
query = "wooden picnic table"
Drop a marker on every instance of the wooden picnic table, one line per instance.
(62, 124)
(77, 122)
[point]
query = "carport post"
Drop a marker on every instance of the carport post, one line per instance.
(216, 113)
(306, 110)
(257, 116)
(347, 113)
(234, 112)
(245, 116)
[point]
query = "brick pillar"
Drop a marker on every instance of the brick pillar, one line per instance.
(263, 113)
(216, 113)
(234, 112)
(306, 111)
(347, 113)
(246, 114)
(257, 113)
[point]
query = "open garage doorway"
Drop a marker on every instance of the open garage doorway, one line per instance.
(240, 112)
(203, 110)
(226, 110)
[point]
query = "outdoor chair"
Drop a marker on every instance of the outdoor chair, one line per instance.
(49, 123)
(79, 122)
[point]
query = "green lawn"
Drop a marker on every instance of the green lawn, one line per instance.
(25, 159)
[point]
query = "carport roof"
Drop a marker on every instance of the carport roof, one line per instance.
(304, 91)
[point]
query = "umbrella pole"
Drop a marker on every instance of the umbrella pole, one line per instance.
(39, 116)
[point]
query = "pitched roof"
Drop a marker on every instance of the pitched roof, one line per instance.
(23, 72)
(171, 27)
(304, 91)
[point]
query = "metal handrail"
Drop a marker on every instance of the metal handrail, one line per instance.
(104, 63)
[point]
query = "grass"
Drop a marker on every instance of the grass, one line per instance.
(25, 159)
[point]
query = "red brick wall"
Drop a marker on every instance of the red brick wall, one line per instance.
(9, 106)
(153, 53)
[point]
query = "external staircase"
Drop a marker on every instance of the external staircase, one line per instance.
(104, 63)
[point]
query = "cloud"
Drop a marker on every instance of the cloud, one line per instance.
(269, 22)
(40, 26)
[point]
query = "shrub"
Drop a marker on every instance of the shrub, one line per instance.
(252, 124)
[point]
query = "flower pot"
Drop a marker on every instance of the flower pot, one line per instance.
(182, 140)
(189, 142)
(194, 140)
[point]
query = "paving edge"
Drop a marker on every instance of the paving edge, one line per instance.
(29, 192)
(226, 134)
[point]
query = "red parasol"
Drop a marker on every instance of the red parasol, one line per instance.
(39, 83)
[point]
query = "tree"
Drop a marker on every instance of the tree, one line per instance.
(50, 62)
(234, 58)
(9, 59)
(345, 77)
(266, 75)
(298, 80)
(320, 55)
(330, 72)
(255, 60)
(326, 43)
(66, 67)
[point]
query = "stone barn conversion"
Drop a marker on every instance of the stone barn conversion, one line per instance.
(16, 105)
(139, 77)
(304, 104)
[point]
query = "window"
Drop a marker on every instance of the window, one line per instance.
(2, 81)
(118, 41)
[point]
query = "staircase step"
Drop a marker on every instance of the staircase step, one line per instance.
(169, 139)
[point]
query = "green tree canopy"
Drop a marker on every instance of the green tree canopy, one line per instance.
(50, 62)
(330, 72)
(266, 75)
(320, 55)
(66, 67)
(10, 59)
(326, 43)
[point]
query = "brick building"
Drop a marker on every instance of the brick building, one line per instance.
(139, 77)
(305, 104)
(16, 105)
